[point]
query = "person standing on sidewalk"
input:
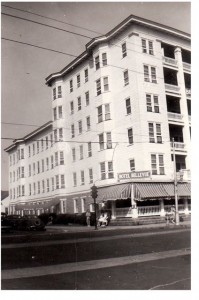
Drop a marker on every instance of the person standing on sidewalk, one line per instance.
(88, 218)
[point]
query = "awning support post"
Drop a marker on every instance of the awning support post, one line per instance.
(186, 208)
(162, 211)
(133, 204)
(113, 210)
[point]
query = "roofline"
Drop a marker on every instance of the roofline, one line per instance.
(109, 35)
(28, 136)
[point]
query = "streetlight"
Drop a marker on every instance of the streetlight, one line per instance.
(175, 185)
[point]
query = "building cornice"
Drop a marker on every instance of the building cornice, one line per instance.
(29, 136)
(105, 38)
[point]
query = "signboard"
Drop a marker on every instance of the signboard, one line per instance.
(132, 175)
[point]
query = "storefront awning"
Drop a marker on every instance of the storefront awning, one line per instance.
(119, 191)
(144, 191)
(35, 206)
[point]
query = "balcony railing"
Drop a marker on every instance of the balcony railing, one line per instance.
(188, 92)
(172, 88)
(149, 210)
(175, 116)
(186, 66)
(170, 61)
(178, 145)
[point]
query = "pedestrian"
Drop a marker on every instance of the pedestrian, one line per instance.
(173, 211)
(88, 218)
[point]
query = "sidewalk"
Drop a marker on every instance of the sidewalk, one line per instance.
(81, 228)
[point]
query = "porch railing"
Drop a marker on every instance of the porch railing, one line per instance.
(123, 212)
(149, 210)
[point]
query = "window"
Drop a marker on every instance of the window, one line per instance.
(10, 160)
(128, 106)
(62, 181)
(71, 86)
(72, 107)
(79, 103)
(57, 181)
(83, 204)
(72, 131)
(147, 47)
(23, 190)
(29, 151)
(38, 167)
(150, 74)
(124, 50)
(103, 170)
(107, 112)
(34, 188)
(30, 189)
(33, 149)
(152, 103)
(80, 127)
(86, 75)
(152, 128)
(74, 179)
(55, 135)
(74, 154)
(99, 113)
(89, 149)
(156, 104)
(54, 93)
(81, 153)
(10, 177)
(10, 194)
(47, 185)
(42, 165)
(60, 134)
(55, 113)
(51, 140)
(90, 171)
(109, 140)
(14, 176)
(53, 183)
(22, 153)
(52, 162)
(104, 59)
(38, 187)
(130, 136)
(47, 164)
(13, 193)
(148, 103)
(126, 77)
(61, 158)
(98, 86)
(106, 86)
(33, 168)
(97, 62)
(13, 158)
(60, 112)
(88, 123)
(78, 81)
(110, 169)
(59, 92)
(22, 172)
(56, 159)
(43, 186)
(101, 141)
(132, 164)
(46, 142)
(157, 164)
(87, 98)
(82, 178)
(42, 145)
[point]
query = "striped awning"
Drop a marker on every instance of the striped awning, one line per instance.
(114, 192)
(35, 206)
(143, 191)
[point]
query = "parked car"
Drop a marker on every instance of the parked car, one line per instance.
(5, 224)
(31, 222)
(12, 220)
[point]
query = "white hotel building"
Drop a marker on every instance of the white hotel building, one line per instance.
(115, 110)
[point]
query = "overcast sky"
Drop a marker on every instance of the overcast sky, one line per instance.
(25, 97)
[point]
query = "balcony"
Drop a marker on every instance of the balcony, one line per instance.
(184, 174)
(178, 146)
(169, 61)
(172, 88)
(175, 117)
(186, 66)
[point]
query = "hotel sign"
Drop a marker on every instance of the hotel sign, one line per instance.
(133, 175)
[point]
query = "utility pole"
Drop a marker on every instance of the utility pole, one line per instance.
(175, 185)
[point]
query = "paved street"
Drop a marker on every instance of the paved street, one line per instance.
(106, 259)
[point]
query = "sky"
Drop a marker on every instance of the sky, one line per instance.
(25, 98)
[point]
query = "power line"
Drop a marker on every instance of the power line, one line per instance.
(49, 18)
(48, 49)
(50, 26)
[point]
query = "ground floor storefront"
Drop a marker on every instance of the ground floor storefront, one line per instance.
(124, 200)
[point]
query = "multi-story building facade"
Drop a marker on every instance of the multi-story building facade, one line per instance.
(121, 119)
